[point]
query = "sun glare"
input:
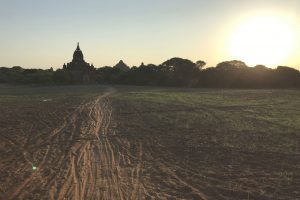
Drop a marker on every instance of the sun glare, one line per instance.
(264, 40)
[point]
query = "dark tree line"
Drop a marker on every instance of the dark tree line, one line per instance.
(176, 72)
(18, 75)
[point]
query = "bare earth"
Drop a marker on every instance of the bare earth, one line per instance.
(90, 148)
(80, 159)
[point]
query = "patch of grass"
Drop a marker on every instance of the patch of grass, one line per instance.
(256, 120)
(27, 93)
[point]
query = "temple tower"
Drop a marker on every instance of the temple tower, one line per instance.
(79, 70)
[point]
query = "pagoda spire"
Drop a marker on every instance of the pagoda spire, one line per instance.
(78, 56)
(78, 48)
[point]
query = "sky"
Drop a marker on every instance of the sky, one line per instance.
(44, 33)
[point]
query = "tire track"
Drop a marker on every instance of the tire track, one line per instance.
(84, 159)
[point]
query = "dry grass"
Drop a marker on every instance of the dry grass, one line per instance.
(163, 143)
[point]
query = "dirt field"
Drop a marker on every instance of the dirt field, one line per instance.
(92, 142)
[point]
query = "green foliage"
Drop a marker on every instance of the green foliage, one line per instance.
(18, 75)
(175, 72)
(62, 76)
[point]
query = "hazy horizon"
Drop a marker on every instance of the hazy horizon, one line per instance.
(44, 34)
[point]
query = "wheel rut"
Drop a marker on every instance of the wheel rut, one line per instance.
(85, 159)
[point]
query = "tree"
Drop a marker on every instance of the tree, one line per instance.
(62, 76)
(234, 64)
(182, 72)
(200, 64)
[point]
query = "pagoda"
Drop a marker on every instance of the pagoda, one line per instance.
(79, 70)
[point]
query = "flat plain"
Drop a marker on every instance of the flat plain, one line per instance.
(113, 142)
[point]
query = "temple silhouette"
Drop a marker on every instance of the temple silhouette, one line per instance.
(79, 70)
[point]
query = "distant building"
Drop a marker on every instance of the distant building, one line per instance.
(122, 66)
(79, 70)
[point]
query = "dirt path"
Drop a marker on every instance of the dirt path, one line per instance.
(84, 159)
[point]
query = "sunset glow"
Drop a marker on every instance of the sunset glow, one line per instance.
(268, 40)
(41, 34)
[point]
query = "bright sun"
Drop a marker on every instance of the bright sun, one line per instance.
(262, 40)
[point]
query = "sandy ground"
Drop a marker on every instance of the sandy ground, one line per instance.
(81, 159)
(85, 153)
